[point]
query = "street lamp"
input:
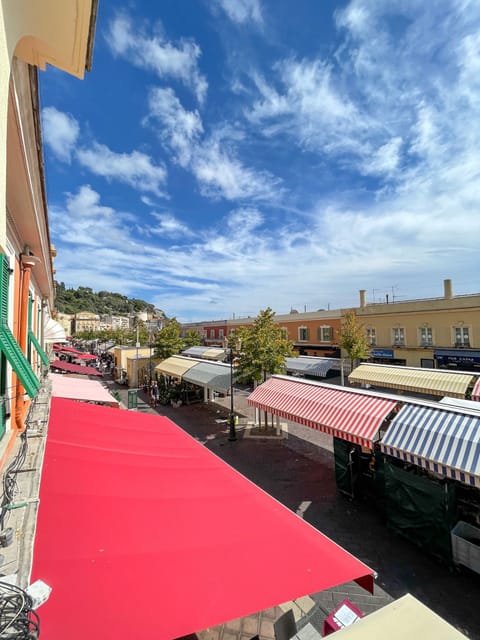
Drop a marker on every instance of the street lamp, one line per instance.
(232, 436)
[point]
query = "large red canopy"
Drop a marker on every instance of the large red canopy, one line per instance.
(63, 347)
(74, 368)
(144, 533)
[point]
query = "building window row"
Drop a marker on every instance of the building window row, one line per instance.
(460, 337)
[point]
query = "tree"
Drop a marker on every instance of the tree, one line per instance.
(192, 339)
(168, 341)
(262, 348)
(353, 338)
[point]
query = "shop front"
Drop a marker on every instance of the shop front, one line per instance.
(460, 359)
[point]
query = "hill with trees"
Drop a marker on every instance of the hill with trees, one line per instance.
(101, 303)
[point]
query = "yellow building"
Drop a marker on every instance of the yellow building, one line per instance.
(432, 332)
(85, 321)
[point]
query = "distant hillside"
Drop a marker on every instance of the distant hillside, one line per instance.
(103, 302)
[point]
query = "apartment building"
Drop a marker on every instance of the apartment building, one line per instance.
(441, 332)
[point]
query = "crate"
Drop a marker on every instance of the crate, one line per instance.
(466, 545)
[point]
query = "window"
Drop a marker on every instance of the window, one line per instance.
(426, 336)
(212, 333)
(303, 334)
(462, 336)
(325, 334)
(220, 333)
(372, 337)
(398, 337)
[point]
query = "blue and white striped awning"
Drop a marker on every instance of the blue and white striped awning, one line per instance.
(442, 441)
(311, 366)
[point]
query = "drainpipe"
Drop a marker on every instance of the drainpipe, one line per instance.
(27, 262)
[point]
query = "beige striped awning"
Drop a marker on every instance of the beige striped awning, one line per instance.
(175, 366)
(432, 381)
(214, 354)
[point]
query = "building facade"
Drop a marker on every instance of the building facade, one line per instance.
(85, 321)
(442, 332)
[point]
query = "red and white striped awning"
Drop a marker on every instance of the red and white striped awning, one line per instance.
(476, 391)
(343, 413)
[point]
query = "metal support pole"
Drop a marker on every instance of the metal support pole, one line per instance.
(232, 435)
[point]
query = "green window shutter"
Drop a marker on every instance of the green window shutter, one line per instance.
(4, 285)
(4, 281)
(20, 364)
(40, 351)
(3, 417)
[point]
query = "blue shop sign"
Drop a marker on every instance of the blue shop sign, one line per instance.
(457, 357)
(381, 353)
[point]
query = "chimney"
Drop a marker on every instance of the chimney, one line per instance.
(363, 303)
(447, 289)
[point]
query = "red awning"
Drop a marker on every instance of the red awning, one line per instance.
(142, 532)
(85, 356)
(61, 347)
(476, 391)
(74, 368)
(347, 414)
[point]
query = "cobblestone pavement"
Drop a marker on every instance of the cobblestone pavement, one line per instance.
(299, 472)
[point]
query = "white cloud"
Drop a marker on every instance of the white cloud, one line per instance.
(212, 160)
(60, 132)
(180, 129)
(241, 11)
(167, 225)
(221, 175)
(135, 169)
(384, 160)
(155, 53)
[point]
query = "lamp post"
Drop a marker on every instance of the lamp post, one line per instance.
(232, 436)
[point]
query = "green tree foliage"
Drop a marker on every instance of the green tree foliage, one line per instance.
(353, 338)
(101, 303)
(261, 348)
(119, 336)
(168, 341)
(192, 339)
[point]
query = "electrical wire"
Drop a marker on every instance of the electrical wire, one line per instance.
(18, 620)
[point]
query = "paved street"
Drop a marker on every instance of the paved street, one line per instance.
(300, 474)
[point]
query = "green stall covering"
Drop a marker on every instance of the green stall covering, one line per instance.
(421, 509)
(359, 473)
(343, 470)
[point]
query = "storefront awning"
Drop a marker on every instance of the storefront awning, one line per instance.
(208, 374)
(476, 391)
(63, 347)
(164, 539)
(74, 368)
(404, 618)
(432, 381)
(175, 366)
(85, 356)
(81, 389)
(443, 441)
(356, 417)
(53, 331)
(311, 366)
(209, 353)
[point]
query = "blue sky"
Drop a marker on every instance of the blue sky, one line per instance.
(223, 156)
